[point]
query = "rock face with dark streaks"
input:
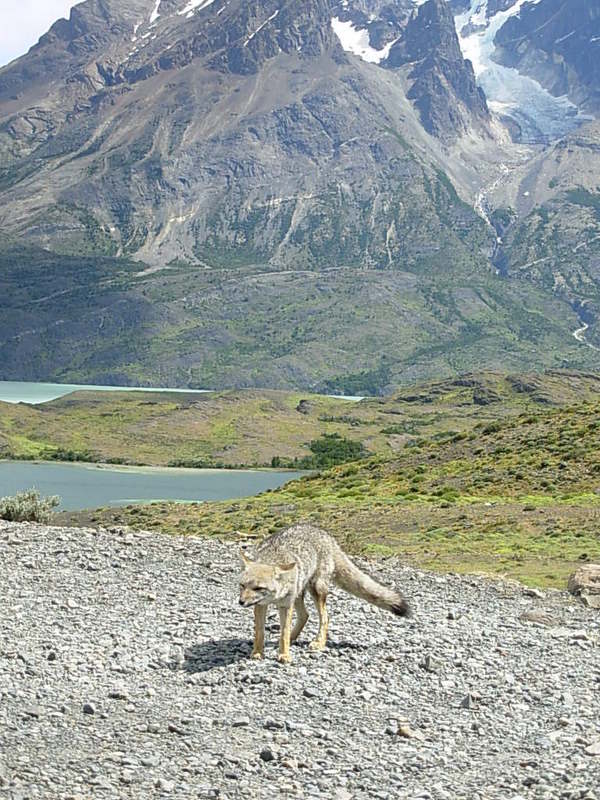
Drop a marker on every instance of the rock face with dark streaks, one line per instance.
(558, 44)
(444, 88)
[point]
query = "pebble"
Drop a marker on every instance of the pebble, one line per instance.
(178, 710)
(267, 754)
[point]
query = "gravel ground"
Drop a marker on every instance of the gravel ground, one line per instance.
(124, 674)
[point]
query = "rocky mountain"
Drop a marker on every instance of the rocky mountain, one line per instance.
(246, 136)
(558, 44)
(444, 89)
(267, 192)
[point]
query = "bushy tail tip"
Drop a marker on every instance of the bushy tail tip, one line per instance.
(401, 609)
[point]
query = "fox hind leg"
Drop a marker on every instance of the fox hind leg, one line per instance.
(285, 621)
(260, 615)
(302, 618)
(319, 596)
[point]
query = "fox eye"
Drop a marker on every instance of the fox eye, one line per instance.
(260, 588)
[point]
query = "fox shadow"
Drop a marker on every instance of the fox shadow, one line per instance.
(204, 656)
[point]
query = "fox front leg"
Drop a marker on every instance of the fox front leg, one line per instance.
(260, 615)
(285, 622)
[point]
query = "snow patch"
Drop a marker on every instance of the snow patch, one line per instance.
(260, 27)
(564, 38)
(356, 41)
(155, 15)
(193, 6)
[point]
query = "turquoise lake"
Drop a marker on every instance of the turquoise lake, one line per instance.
(92, 485)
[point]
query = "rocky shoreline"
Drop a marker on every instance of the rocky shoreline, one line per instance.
(124, 674)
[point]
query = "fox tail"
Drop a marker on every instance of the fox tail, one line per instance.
(350, 578)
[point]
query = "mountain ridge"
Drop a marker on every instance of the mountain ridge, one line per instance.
(303, 210)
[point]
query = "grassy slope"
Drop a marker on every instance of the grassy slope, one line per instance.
(251, 427)
(517, 497)
(359, 331)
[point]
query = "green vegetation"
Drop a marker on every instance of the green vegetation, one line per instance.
(28, 506)
(582, 197)
(515, 496)
(327, 451)
(271, 428)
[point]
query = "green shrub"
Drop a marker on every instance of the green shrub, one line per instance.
(331, 449)
(27, 506)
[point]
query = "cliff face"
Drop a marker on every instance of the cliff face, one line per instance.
(557, 43)
(444, 88)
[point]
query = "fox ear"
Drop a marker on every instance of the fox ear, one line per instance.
(287, 567)
(244, 558)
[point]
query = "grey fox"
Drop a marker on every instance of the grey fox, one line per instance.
(292, 561)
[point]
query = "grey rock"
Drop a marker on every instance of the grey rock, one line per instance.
(267, 754)
(593, 749)
(585, 583)
(164, 785)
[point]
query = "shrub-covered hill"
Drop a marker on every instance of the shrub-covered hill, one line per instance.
(265, 427)
(519, 497)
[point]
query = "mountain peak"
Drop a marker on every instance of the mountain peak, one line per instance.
(444, 88)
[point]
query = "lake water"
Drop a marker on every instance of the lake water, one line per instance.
(91, 486)
(34, 393)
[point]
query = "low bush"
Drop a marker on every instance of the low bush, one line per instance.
(27, 506)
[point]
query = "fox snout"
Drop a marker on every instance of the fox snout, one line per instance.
(248, 598)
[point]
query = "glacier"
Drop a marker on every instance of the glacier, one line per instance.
(541, 116)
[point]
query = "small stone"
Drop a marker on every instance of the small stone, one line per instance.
(118, 694)
(310, 693)
(241, 722)
(33, 711)
(88, 708)
(538, 618)
(429, 664)
(152, 727)
(177, 729)
(593, 749)
(164, 785)
(150, 761)
(467, 701)
(267, 754)
(406, 732)
(531, 592)
(273, 725)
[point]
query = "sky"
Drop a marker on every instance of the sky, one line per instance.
(22, 22)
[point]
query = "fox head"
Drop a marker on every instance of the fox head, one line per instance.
(261, 584)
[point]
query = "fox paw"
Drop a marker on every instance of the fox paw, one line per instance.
(316, 645)
(284, 658)
(256, 656)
